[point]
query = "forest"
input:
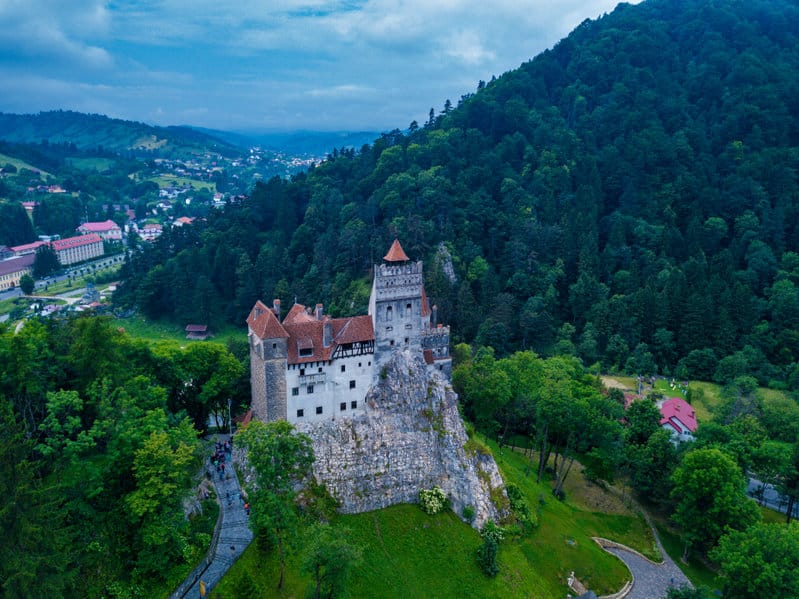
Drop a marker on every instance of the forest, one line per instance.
(628, 197)
(100, 450)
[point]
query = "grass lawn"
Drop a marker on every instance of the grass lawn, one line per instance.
(697, 571)
(140, 327)
(4, 159)
(410, 554)
(662, 386)
(173, 180)
(706, 398)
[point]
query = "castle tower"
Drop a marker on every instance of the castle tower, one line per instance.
(268, 359)
(396, 305)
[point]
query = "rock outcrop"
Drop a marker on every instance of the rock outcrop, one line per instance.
(410, 438)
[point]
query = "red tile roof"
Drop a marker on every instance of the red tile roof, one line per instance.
(298, 314)
(425, 304)
(27, 247)
(396, 253)
(73, 242)
(264, 323)
(678, 409)
(108, 225)
(304, 332)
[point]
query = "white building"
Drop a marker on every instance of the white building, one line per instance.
(312, 367)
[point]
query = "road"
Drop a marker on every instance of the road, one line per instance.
(771, 498)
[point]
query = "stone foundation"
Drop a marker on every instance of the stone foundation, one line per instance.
(410, 438)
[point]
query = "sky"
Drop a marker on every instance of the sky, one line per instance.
(269, 65)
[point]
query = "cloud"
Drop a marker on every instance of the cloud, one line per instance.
(48, 34)
(330, 64)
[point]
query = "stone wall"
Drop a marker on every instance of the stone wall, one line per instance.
(410, 438)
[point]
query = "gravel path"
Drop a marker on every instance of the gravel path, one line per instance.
(651, 581)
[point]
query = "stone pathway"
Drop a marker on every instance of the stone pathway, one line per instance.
(234, 535)
(650, 580)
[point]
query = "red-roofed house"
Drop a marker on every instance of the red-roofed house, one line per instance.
(312, 367)
(183, 220)
(78, 249)
(27, 248)
(107, 230)
(679, 418)
(151, 231)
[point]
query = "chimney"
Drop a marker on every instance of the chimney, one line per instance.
(327, 334)
(276, 307)
(318, 312)
(434, 317)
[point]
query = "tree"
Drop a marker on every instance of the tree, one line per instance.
(329, 558)
(27, 284)
(280, 458)
(761, 561)
(46, 261)
(710, 492)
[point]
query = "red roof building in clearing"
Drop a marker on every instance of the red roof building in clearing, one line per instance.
(679, 417)
(108, 230)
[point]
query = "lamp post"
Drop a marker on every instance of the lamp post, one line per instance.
(229, 420)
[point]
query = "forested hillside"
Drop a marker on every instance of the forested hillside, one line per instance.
(100, 458)
(93, 131)
(629, 197)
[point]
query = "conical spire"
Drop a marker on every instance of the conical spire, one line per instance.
(396, 253)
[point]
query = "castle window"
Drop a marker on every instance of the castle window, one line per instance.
(359, 364)
(302, 371)
(318, 409)
(406, 341)
(389, 329)
(300, 413)
(306, 351)
(274, 346)
(408, 309)
(320, 369)
(352, 384)
(389, 313)
(342, 406)
(369, 363)
(391, 343)
(408, 325)
(353, 405)
(310, 389)
(343, 368)
(295, 391)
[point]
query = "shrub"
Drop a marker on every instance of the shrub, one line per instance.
(432, 500)
(487, 552)
(520, 507)
(468, 513)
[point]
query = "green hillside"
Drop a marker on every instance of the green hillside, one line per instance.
(93, 131)
(410, 554)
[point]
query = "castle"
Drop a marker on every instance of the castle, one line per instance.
(311, 368)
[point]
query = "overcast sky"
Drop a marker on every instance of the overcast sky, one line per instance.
(268, 64)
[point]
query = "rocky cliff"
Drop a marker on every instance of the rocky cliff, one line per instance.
(410, 438)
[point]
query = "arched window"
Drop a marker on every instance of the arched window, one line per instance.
(389, 313)
(408, 310)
